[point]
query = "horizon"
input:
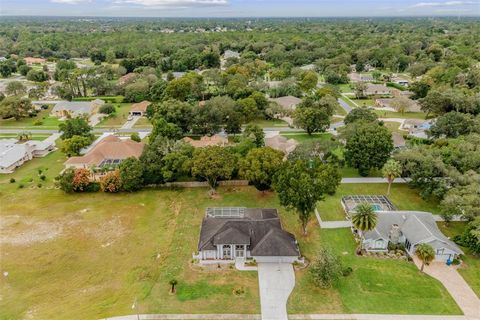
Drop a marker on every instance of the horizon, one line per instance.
(238, 8)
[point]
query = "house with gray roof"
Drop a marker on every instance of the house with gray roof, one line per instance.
(410, 228)
(228, 234)
(74, 109)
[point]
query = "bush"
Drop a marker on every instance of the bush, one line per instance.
(111, 182)
(20, 186)
(93, 187)
(135, 137)
(37, 122)
(12, 180)
(326, 269)
(347, 271)
(39, 185)
(107, 109)
(43, 177)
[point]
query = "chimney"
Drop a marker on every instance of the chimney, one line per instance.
(394, 234)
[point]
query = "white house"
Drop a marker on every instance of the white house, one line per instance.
(410, 228)
(228, 234)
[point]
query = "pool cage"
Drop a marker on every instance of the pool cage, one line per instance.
(378, 202)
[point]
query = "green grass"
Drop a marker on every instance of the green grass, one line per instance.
(143, 123)
(364, 102)
(405, 115)
(302, 137)
(401, 195)
(375, 286)
(394, 127)
(32, 137)
(470, 270)
(344, 88)
(118, 118)
(263, 123)
(349, 172)
(28, 123)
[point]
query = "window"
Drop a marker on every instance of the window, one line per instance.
(440, 251)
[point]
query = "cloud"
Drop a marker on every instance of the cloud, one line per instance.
(445, 4)
(174, 3)
(70, 1)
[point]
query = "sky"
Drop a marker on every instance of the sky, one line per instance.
(240, 8)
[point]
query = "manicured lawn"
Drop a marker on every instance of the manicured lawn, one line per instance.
(302, 137)
(470, 270)
(349, 101)
(394, 127)
(401, 195)
(405, 115)
(47, 122)
(143, 123)
(118, 118)
(349, 172)
(269, 123)
(339, 110)
(364, 102)
(344, 88)
(32, 137)
(375, 286)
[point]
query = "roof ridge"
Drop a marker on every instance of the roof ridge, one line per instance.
(431, 234)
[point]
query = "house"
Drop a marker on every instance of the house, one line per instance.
(281, 143)
(229, 54)
(74, 109)
(31, 61)
(359, 77)
(400, 93)
(378, 202)
(107, 153)
(128, 78)
(409, 228)
(377, 90)
(207, 141)
(417, 128)
(287, 102)
(390, 104)
(398, 141)
(401, 81)
(139, 109)
(14, 154)
(228, 234)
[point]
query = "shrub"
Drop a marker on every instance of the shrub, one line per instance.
(39, 185)
(20, 186)
(326, 269)
(37, 122)
(111, 182)
(347, 271)
(65, 180)
(93, 187)
(135, 137)
(107, 109)
(43, 177)
(81, 179)
(40, 171)
(12, 180)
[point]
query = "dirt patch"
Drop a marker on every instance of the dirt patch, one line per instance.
(19, 231)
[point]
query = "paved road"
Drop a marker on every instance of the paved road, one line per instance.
(458, 288)
(373, 180)
(276, 282)
(130, 123)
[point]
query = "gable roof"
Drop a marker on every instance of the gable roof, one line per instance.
(207, 141)
(417, 227)
(109, 148)
(140, 107)
(259, 228)
(78, 107)
(288, 102)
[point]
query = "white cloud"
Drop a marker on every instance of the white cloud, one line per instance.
(70, 1)
(445, 4)
(174, 3)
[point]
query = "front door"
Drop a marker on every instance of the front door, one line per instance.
(227, 252)
(239, 252)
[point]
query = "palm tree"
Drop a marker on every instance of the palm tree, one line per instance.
(391, 169)
(425, 253)
(364, 219)
(173, 283)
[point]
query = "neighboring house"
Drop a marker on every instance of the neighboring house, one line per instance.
(409, 228)
(417, 128)
(108, 153)
(139, 109)
(281, 143)
(31, 61)
(389, 103)
(2, 59)
(287, 102)
(176, 75)
(241, 233)
(207, 141)
(400, 93)
(127, 78)
(377, 89)
(74, 109)
(359, 77)
(14, 154)
(229, 54)
(401, 81)
(398, 140)
(309, 67)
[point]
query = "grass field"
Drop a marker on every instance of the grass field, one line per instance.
(405, 115)
(401, 195)
(32, 137)
(29, 123)
(88, 256)
(302, 137)
(344, 88)
(143, 123)
(117, 119)
(470, 270)
(364, 102)
(263, 123)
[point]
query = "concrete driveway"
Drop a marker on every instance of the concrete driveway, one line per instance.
(130, 123)
(458, 288)
(276, 281)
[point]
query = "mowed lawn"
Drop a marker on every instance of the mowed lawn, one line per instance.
(402, 196)
(118, 118)
(303, 137)
(41, 121)
(88, 256)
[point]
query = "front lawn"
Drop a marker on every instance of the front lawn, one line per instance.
(118, 118)
(405, 115)
(270, 123)
(470, 270)
(402, 196)
(143, 122)
(41, 121)
(302, 137)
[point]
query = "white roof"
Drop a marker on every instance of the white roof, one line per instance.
(11, 153)
(77, 107)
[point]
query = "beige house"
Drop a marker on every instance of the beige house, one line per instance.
(107, 153)
(139, 109)
(377, 89)
(281, 143)
(31, 61)
(390, 103)
(207, 141)
(74, 109)
(287, 102)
